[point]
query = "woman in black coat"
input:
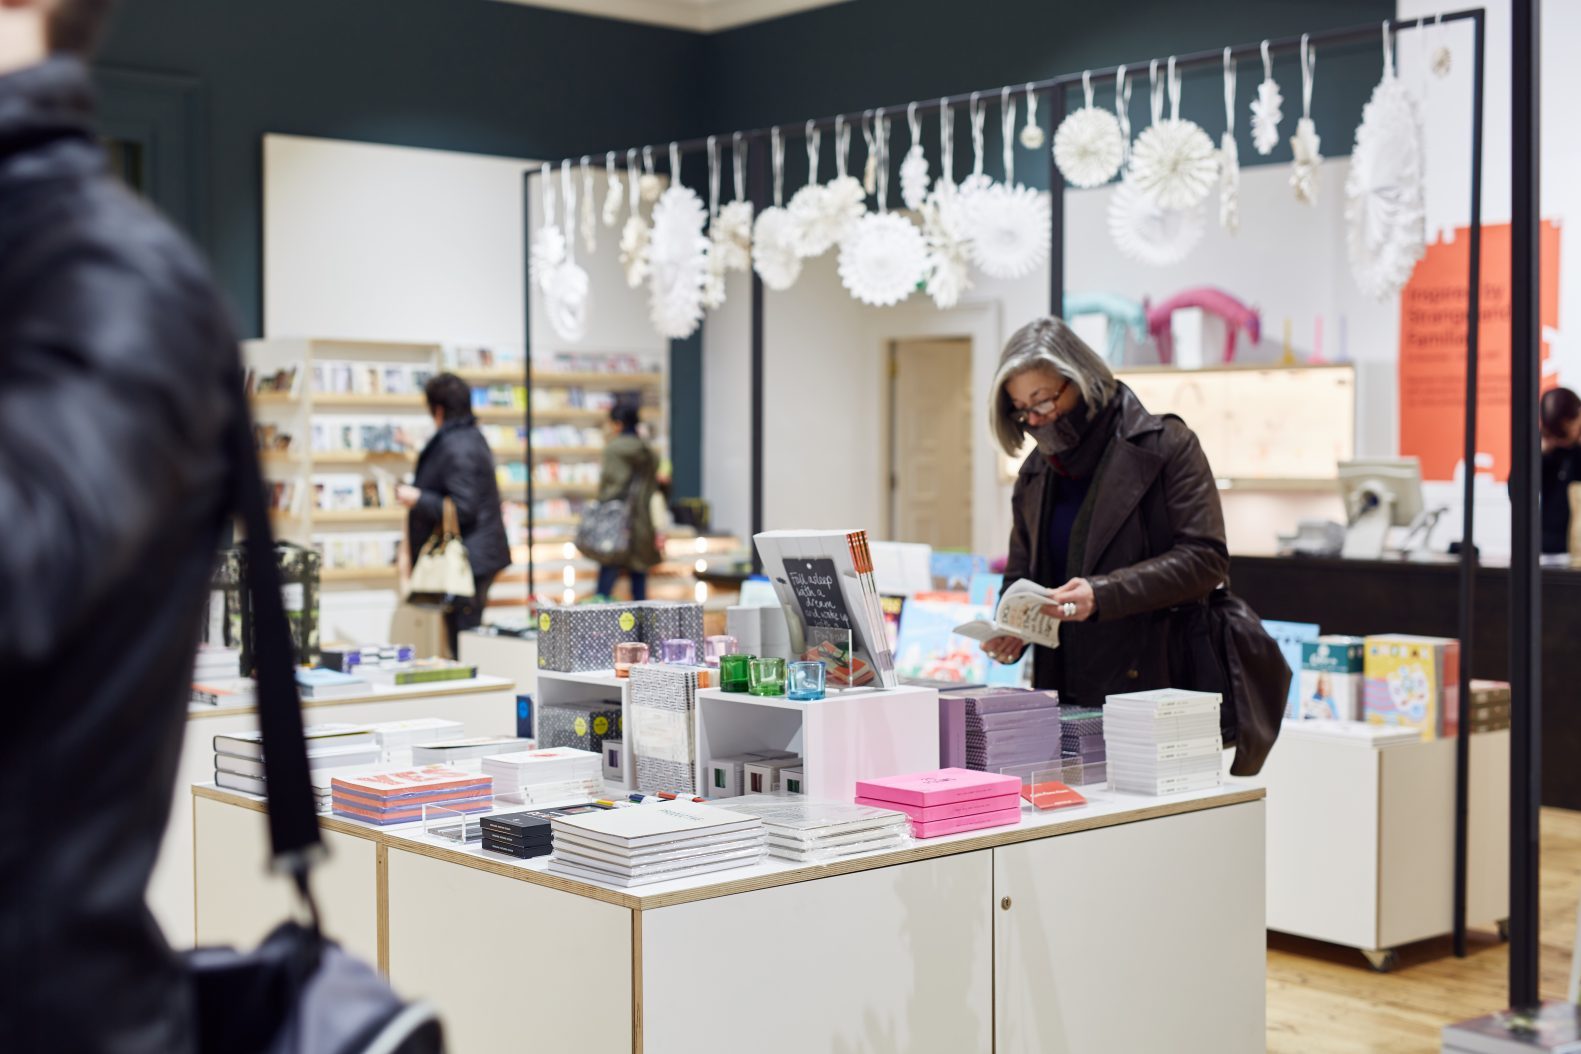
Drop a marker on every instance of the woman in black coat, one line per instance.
(457, 464)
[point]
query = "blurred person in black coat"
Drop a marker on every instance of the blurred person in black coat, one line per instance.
(457, 464)
(118, 382)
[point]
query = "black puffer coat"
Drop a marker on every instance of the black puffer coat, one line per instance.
(458, 464)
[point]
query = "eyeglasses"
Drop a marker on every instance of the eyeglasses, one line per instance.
(1042, 409)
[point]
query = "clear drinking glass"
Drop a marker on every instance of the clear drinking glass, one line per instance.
(735, 673)
(679, 651)
(629, 653)
(768, 676)
(805, 680)
(716, 648)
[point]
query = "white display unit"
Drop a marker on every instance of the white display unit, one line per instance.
(1361, 836)
(845, 737)
(485, 705)
(1130, 924)
(593, 687)
(502, 655)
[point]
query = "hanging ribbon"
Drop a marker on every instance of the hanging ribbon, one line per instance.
(1086, 86)
(1122, 112)
(777, 158)
(1308, 75)
(1156, 88)
(546, 178)
(881, 159)
(842, 146)
(978, 116)
(947, 142)
(870, 167)
(568, 193)
(1174, 91)
(1007, 132)
(1229, 92)
(713, 177)
(738, 164)
(814, 147)
(633, 183)
(913, 124)
(1388, 50)
(675, 164)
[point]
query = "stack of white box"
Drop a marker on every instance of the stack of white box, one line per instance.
(759, 631)
(1163, 742)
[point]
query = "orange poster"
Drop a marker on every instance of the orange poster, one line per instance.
(1433, 349)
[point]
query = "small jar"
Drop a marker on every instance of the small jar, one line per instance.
(735, 673)
(629, 653)
(679, 651)
(716, 648)
(768, 676)
(804, 681)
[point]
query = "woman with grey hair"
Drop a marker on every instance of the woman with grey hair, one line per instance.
(1116, 514)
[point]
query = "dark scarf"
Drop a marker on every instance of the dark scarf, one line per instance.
(1081, 461)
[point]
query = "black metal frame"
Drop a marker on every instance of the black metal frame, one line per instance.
(1525, 620)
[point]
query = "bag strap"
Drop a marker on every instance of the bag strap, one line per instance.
(294, 836)
(450, 520)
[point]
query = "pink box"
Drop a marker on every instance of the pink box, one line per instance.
(931, 813)
(939, 787)
(959, 824)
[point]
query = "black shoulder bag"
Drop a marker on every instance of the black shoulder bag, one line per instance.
(1218, 644)
(297, 992)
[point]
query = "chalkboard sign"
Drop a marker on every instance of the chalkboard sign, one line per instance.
(829, 636)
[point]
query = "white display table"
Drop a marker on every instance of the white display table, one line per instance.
(502, 655)
(1129, 924)
(1361, 836)
(485, 705)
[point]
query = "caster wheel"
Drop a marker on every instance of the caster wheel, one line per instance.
(1382, 959)
(1504, 929)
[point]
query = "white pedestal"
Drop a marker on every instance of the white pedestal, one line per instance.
(597, 686)
(841, 739)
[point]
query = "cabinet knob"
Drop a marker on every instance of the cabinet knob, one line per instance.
(1004, 902)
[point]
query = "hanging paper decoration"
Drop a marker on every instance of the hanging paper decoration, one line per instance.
(731, 233)
(650, 185)
(714, 279)
(1173, 160)
(1145, 232)
(1305, 144)
(914, 166)
(870, 166)
(884, 258)
(565, 286)
(774, 255)
(548, 244)
(1009, 223)
(944, 226)
(977, 181)
(1385, 206)
(1088, 145)
(1032, 137)
(613, 191)
(825, 215)
(634, 236)
(1441, 61)
(1229, 156)
(589, 211)
(677, 258)
(1267, 109)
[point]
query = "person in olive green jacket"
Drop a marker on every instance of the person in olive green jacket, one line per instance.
(630, 470)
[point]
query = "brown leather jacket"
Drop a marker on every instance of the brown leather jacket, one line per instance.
(1125, 647)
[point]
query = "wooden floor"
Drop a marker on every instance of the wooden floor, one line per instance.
(1327, 1000)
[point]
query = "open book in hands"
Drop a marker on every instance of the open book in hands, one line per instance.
(1019, 614)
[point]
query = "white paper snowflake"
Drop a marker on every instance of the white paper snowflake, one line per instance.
(914, 177)
(548, 253)
(714, 283)
(1174, 162)
(883, 259)
(614, 197)
(566, 297)
(1149, 234)
(825, 215)
(1229, 183)
(731, 235)
(944, 228)
(1385, 206)
(1009, 229)
(1307, 149)
(677, 263)
(1267, 112)
(634, 239)
(774, 255)
(1089, 147)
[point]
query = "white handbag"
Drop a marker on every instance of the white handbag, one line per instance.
(442, 575)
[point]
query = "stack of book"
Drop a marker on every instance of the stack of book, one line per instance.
(527, 835)
(417, 671)
(821, 832)
(1005, 728)
(1081, 744)
(404, 735)
(329, 684)
(1163, 742)
(946, 801)
(663, 701)
(243, 691)
(554, 775)
(399, 797)
(215, 662)
(448, 752)
(654, 843)
(239, 758)
(1490, 706)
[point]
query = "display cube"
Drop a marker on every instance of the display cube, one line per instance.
(582, 637)
(848, 736)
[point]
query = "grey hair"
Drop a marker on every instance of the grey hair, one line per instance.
(1046, 343)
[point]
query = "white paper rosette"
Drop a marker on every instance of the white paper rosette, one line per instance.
(914, 177)
(774, 255)
(1149, 234)
(824, 215)
(1307, 148)
(548, 253)
(1008, 229)
(677, 263)
(1089, 147)
(1174, 163)
(731, 235)
(634, 239)
(1229, 183)
(883, 259)
(566, 298)
(1267, 112)
(1385, 205)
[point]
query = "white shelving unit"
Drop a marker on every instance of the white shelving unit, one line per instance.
(595, 687)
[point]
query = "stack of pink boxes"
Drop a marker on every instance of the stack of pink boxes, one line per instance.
(946, 801)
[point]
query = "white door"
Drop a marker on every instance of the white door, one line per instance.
(931, 442)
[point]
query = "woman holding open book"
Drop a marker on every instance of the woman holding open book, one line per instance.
(1116, 515)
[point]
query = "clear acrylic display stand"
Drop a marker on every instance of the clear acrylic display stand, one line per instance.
(453, 825)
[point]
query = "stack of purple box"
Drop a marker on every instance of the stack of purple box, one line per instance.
(988, 729)
(1081, 744)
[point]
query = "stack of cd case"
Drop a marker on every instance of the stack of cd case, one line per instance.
(524, 835)
(820, 832)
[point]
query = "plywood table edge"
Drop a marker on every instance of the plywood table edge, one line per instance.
(637, 902)
(475, 686)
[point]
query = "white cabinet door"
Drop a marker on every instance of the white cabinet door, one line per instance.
(897, 959)
(1143, 937)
